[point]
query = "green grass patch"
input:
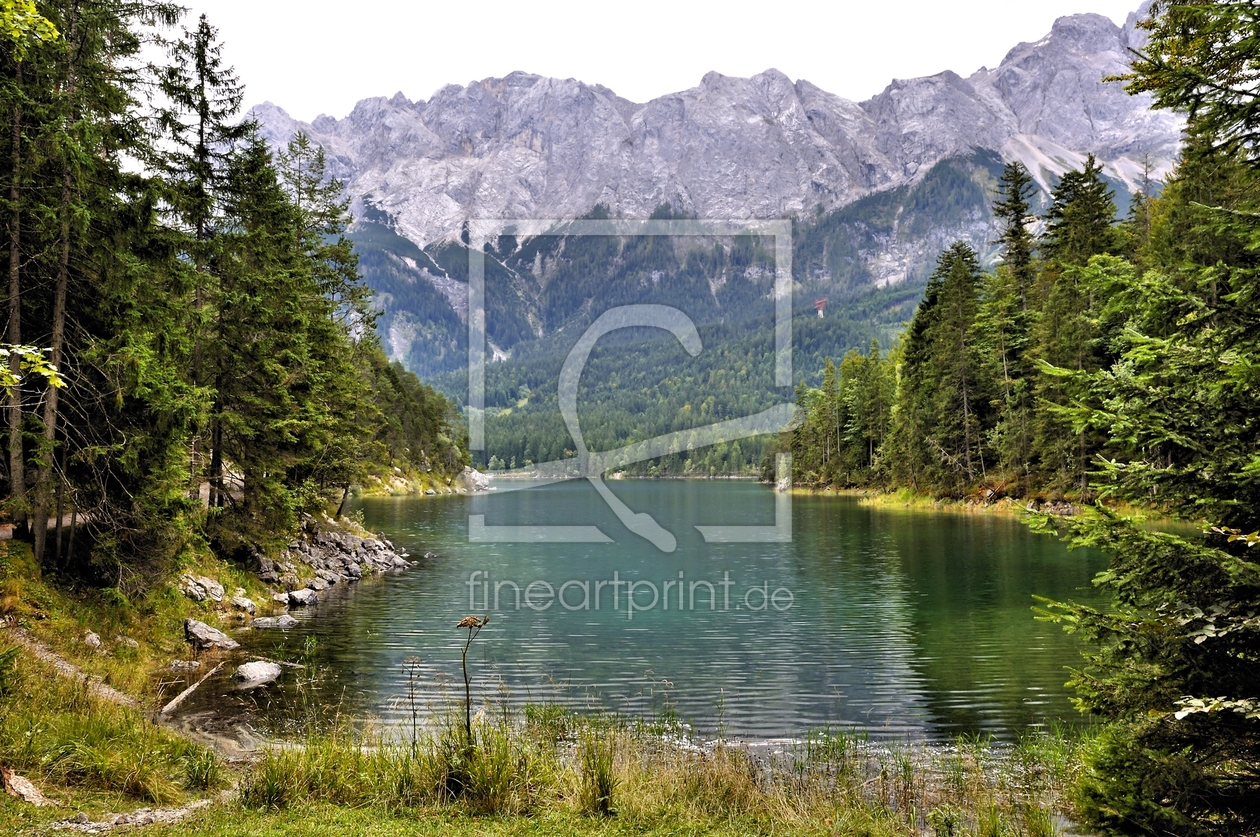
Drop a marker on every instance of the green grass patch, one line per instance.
(85, 752)
(549, 769)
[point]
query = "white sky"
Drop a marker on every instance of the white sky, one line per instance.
(315, 56)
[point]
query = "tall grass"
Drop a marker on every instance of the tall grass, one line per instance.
(56, 731)
(597, 779)
(546, 760)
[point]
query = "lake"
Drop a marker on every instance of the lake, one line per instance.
(898, 623)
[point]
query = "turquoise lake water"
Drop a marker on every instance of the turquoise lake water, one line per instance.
(899, 623)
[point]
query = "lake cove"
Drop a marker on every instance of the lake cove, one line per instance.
(894, 623)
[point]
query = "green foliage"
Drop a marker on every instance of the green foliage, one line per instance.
(598, 781)
(207, 327)
(1132, 379)
(644, 779)
(29, 359)
(21, 23)
(977, 396)
(53, 729)
(1081, 217)
(1200, 59)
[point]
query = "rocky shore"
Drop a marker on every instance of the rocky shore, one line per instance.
(325, 555)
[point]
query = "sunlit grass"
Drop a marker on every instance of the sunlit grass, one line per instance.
(548, 763)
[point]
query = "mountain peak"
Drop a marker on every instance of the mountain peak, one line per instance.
(528, 145)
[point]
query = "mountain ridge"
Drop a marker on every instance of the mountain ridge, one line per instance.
(531, 146)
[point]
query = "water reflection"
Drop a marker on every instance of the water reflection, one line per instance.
(899, 622)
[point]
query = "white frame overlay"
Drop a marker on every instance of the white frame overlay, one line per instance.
(591, 465)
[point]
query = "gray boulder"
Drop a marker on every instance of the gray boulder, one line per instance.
(204, 637)
(214, 590)
(199, 588)
(242, 603)
(256, 673)
(303, 597)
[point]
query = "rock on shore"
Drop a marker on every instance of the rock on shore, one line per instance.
(205, 637)
(326, 555)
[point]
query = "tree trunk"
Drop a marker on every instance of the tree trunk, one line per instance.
(17, 464)
(74, 525)
(61, 500)
(216, 465)
(345, 496)
(44, 475)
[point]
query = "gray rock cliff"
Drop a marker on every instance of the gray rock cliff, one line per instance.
(535, 147)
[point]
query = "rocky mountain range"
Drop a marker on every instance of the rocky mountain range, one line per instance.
(878, 186)
(527, 146)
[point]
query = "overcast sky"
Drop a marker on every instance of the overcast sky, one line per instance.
(314, 56)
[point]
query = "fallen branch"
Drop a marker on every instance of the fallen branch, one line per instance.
(179, 698)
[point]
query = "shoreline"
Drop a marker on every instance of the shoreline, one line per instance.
(1010, 507)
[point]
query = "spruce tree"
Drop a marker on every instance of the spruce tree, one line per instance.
(1012, 211)
(938, 436)
(1175, 671)
(1065, 333)
(1081, 217)
(1001, 334)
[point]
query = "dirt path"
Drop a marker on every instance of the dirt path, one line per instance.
(233, 743)
(228, 746)
(69, 670)
(135, 819)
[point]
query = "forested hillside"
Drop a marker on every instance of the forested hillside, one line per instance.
(553, 284)
(218, 374)
(976, 397)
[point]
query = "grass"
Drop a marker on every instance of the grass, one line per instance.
(321, 820)
(85, 752)
(905, 498)
(61, 618)
(610, 776)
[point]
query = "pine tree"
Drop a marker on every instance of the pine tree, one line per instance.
(203, 98)
(1080, 219)
(1001, 334)
(1175, 672)
(198, 122)
(1065, 333)
(1012, 211)
(942, 391)
(1200, 59)
(866, 396)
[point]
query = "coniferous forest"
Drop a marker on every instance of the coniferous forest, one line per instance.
(218, 373)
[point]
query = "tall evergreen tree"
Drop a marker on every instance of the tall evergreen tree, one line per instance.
(1081, 217)
(943, 392)
(1175, 670)
(1065, 334)
(1013, 212)
(1001, 334)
